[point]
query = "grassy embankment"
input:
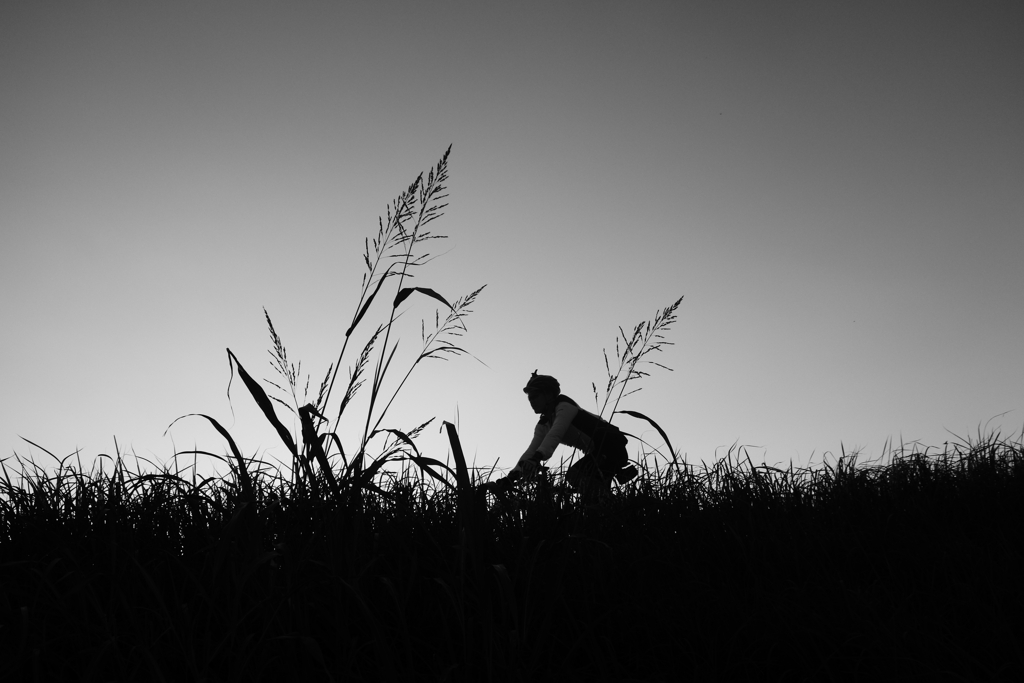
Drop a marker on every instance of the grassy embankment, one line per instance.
(377, 562)
(907, 569)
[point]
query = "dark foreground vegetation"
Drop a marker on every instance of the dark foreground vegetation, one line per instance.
(361, 559)
(905, 570)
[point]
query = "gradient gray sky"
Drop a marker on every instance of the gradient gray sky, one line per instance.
(836, 188)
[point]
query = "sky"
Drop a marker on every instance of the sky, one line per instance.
(836, 190)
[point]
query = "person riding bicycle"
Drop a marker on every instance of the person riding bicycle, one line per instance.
(563, 421)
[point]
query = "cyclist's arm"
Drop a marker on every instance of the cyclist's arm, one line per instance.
(565, 413)
(539, 432)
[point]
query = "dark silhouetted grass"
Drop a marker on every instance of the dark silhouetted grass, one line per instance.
(379, 563)
(904, 570)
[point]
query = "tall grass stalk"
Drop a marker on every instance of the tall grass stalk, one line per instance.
(393, 255)
(631, 355)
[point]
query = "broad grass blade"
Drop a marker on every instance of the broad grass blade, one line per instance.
(243, 474)
(633, 413)
(422, 462)
(406, 292)
(425, 463)
(366, 306)
(365, 477)
(341, 449)
(461, 470)
(264, 403)
(40, 448)
(466, 507)
(314, 443)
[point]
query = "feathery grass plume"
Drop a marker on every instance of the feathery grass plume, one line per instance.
(423, 205)
(263, 401)
(435, 345)
(387, 253)
(645, 339)
(631, 353)
(392, 256)
(355, 378)
(289, 372)
(438, 344)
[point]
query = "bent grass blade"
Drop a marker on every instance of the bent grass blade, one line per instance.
(633, 413)
(243, 473)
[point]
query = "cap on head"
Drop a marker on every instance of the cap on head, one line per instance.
(542, 383)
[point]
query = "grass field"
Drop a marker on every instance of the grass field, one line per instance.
(904, 570)
(368, 560)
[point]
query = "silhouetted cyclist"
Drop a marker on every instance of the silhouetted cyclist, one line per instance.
(563, 421)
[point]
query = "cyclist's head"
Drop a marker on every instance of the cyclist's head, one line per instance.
(542, 391)
(542, 384)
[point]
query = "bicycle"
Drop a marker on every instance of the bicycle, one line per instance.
(544, 480)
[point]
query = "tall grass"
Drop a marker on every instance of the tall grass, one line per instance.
(631, 356)
(319, 459)
(631, 365)
(907, 568)
(338, 566)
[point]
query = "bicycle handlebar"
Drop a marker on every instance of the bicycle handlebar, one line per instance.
(506, 482)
